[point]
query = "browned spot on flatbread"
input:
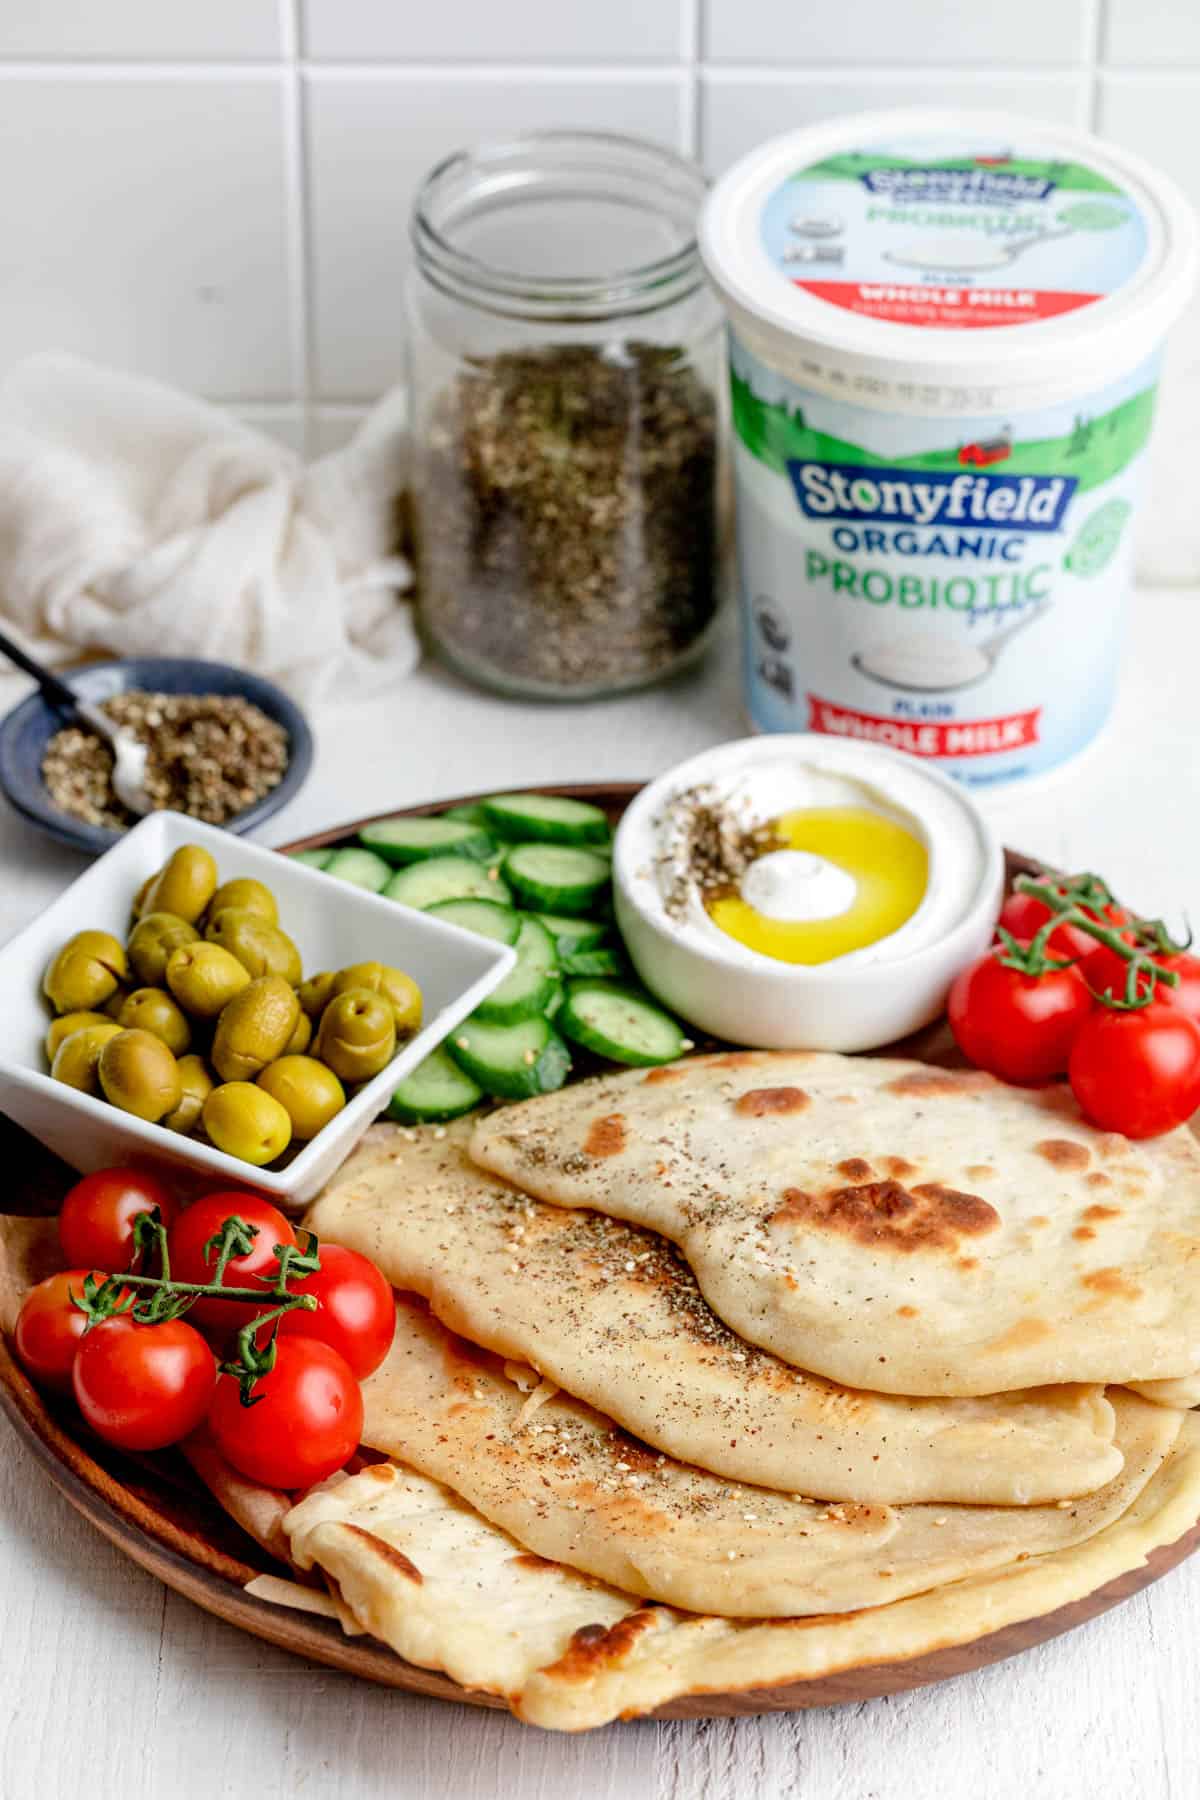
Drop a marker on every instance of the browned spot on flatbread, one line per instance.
(762, 1103)
(388, 1553)
(1083, 1232)
(979, 1171)
(899, 1167)
(736, 1059)
(1039, 1220)
(1063, 1153)
(1096, 1213)
(1112, 1144)
(527, 1560)
(968, 1262)
(594, 1648)
(656, 1077)
(1097, 1179)
(380, 1471)
(907, 1312)
(1022, 1334)
(1111, 1284)
(886, 1215)
(606, 1136)
(856, 1168)
(937, 1084)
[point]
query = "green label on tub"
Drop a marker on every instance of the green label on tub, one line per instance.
(953, 587)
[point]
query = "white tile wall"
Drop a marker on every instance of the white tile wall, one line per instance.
(215, 191)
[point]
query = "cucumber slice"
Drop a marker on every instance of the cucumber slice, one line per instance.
(619, 1023)
(423, 884)
(470, 815)
(362, 868)
(413, 840)
(437, 1089)
(545, 819)
(513, 1062)
(601, 964)
(312, 859)
(525, 989)
(553, 1005)
(573, 934)
(487, 918)
(556, 877)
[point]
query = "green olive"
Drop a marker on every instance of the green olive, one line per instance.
(301, 1038)
(261, 948)
(254, 1028)
(357, 1036)
(151, 942)
(184, 885)
(398, 989)
(76, 1057)
(61, 1028)
(85, 972)
(139, 899)
(204, 978)
(247, 1122)
(245, 895)
(315, 992)
(150, 1009)
(309, 1093)
(196, 1084)
(139, 1074)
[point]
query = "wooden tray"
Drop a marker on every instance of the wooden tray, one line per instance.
(156, 1512)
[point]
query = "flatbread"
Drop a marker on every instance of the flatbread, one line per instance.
(887, 1224)
(570, 1486)
(612, 1313)
(1184, 1392)
(448, 1591)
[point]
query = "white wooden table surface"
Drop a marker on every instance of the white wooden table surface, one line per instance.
(113, 1687)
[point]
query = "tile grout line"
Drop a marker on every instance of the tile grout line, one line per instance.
(1092, 62)
(296, 209)
(691, 49)
(604, 70)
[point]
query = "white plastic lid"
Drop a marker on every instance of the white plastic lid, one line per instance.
(938, 260)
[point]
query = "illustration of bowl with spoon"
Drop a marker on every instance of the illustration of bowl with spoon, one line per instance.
(923, 664)
(956, 253)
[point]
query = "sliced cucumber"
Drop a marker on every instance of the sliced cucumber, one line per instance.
(312, 859)
(619, 1023)
(545, 819)
(573, 934)
(487, 918)
(513, 1062)
(436, 1089)
(601, 964)
(525, 989)
(553, 1005)
(470, 815)
(413, 840)
(556, 877)
(362, 868)
(445, 878)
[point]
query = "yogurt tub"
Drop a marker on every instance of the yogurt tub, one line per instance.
(857, 1001)
(944, 338)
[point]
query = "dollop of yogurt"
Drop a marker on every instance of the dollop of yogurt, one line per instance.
(797, 885)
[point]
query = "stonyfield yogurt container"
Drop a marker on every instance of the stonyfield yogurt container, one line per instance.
(944, 338)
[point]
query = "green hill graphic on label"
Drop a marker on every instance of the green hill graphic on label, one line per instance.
(1097, 540)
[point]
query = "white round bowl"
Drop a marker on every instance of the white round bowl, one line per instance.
(735, 993)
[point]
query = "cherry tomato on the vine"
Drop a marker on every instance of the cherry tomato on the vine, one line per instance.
(1024, 916)
(1137, 1072)
(305, 1422)
(200, 1222)
(50, 1327)
(95, 1226)
(143, 1386)
(1108, 973)
(356, 1311)
(1019, 1027)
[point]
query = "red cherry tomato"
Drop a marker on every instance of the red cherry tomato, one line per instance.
(143, 1386)
(1024, 917)
(95, 1226)
(356, 1312)
(1020, 1027)
(1137, 1072)
(1108, 973)
(50, 1327)
(201, 1221)
(305, 1423)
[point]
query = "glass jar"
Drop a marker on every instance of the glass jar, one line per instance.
(565, 355)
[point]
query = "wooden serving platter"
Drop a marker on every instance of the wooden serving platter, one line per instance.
(158, 1513)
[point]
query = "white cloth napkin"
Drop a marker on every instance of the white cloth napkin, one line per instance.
(137, 520)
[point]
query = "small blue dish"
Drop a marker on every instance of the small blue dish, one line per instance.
(26, 731)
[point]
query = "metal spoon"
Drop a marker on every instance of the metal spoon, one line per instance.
(129, 770)
(991, 650)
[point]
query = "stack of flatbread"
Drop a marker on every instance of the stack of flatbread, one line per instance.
(754, 1369)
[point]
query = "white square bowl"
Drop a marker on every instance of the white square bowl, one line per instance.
(332, 924)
